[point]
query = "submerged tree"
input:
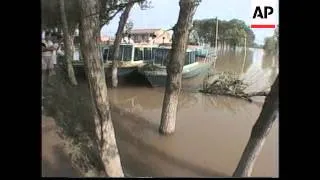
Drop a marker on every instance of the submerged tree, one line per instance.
(259, 132)
(89, 33)
(116, 45)
(174, 67)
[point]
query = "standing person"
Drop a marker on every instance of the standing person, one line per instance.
(60, 52)
(47, 60)
(56, 39)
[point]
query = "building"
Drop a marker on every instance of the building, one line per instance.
(155, 36)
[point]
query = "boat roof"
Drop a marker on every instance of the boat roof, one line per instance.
(148, 45)
(134, 45)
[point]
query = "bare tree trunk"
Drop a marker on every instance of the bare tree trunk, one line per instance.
(89, 33)
(259, 132)
(223, 45)
(175, 65)
(116, 45)
(68, 42)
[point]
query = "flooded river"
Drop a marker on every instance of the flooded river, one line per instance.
(211, 132)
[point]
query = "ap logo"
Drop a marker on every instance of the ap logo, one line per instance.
(263, 13)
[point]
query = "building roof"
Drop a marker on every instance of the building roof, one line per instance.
(143, 31)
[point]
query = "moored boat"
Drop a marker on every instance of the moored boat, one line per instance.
(130, 58)
(156, 72)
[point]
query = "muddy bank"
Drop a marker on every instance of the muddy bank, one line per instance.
(55, 159)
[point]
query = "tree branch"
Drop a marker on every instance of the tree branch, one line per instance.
(263, 93)
(106, 11)
(241, 96)
(111, 17)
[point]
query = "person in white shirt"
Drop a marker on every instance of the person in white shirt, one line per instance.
(60, 51)
(47, 60)
(56, 44)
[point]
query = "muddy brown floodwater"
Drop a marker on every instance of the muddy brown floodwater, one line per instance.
(211, 132)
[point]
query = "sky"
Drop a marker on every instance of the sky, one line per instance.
(164, 14)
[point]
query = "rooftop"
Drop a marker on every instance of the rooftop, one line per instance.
(143, 31)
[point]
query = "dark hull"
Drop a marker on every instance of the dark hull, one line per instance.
(122, 71)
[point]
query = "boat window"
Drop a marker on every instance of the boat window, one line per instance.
(105, 55)
(147, 54)
(187, 58)
(161, 56)
(110, 53)
(157, 56)
(126, 52)
(190, 57)
(138, 54)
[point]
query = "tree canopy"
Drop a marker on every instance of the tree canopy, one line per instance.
(109, 9)
(51, 14)
(230, 32)
(271, 43)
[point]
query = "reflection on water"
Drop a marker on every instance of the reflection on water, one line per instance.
(211, 131)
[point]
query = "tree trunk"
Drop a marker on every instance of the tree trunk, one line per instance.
(116, 45)
(175, 65)
(259, 132)
(68, 42)
(89, 33)
(223, 46)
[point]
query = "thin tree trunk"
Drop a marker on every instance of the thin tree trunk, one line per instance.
(223, 46)
(89, 33)
(68, 42)
(116, 45)
(175, 65)
(259, 132)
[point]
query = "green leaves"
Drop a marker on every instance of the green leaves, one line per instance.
(232, 32)
(271, 43)
(50, 13)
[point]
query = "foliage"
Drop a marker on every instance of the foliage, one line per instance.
(230, 32)
(271, 43)
(128, 26)
(224, 83)
(194, 37)
(146, 4)
(50, 14)
(110, 8)
(258, 46)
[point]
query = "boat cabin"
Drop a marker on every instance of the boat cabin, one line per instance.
(161, 56)
(129, 53)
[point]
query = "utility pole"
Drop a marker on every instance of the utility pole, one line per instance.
(216, 44)
(245, 53)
